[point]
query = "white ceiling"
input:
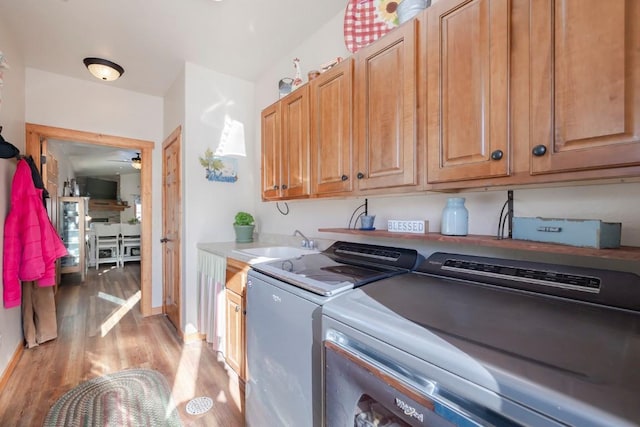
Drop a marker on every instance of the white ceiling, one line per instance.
(95, 160)
(152, 39)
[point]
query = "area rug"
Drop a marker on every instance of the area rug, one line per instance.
(134, 397)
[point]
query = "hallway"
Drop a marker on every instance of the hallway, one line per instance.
(101, 331)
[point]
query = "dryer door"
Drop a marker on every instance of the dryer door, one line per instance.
(361, 392)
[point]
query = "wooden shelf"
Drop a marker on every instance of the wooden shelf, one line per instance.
(106, 205)
(624, 252)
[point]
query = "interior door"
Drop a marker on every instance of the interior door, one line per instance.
(171, 223)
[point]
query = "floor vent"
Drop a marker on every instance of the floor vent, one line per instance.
(199, 405)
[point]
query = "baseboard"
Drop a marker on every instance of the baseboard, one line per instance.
(186, 338)
(11, 366)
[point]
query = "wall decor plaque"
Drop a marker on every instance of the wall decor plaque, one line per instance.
(408, 226)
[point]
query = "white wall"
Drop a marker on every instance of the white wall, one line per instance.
(60, 101)
(65, 172)
(614, 202)
(65, 168)
(326, 44)
(174, 105)
(209, 207)
(129, 187)
(12, 120)
(56, 100)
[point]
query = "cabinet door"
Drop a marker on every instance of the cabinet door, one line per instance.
(385, 87)
(270, 128)
(72, 233)
(295, 144)
(585, 95)
(467, 89)
(234, 348)
(331, 138)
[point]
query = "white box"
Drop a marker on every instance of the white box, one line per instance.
(408, 226)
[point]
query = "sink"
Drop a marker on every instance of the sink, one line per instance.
(274, 252)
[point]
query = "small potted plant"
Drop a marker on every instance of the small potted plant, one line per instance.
(244, 224)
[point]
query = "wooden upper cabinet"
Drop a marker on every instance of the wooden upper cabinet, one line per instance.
(295, 144)
(331, 130)
(271, 142)
(285, 147)
(468, 89)
(585, 77)
(385, 110)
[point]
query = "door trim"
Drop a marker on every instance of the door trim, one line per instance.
(35, 132)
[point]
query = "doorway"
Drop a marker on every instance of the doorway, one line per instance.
(36, 135)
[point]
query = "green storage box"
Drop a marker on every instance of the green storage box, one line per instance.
(588, 233)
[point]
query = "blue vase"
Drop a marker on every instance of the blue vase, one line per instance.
(455, 218)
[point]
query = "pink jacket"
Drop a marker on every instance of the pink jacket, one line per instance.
(31, 243)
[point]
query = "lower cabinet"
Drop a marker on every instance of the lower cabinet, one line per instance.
(235, 300)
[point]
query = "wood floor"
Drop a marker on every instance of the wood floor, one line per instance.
(100, 331)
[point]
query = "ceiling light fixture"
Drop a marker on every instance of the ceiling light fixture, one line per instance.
(103, 69)
(136, 162)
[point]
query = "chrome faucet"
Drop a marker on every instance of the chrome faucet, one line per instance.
(306, 243)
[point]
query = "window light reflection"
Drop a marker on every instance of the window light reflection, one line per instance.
(232, 139)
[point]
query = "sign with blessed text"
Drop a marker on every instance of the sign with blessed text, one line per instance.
(408, 226)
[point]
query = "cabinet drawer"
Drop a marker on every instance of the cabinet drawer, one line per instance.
(236, 278)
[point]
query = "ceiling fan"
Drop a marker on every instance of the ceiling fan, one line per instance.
(136, 162)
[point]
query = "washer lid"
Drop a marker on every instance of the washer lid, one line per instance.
(342, 266)
(574, 361)
(321, 274)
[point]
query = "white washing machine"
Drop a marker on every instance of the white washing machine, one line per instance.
(284, 334)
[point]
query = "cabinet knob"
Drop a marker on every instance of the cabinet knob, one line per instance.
(284, 186)
(237, 308)
(275, 187)
(497, 155)
(539, 150)
(344, 177)
(360, 175)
